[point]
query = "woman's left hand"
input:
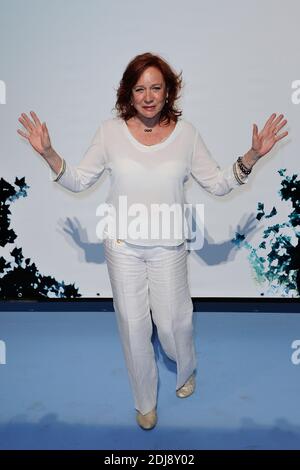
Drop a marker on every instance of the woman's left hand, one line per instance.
(264, 141)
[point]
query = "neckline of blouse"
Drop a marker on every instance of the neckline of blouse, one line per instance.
(159, 145)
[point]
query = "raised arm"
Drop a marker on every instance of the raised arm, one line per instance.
(219, 181)
(77, 178)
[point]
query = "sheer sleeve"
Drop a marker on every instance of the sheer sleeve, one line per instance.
(206, 171)
(88, 171)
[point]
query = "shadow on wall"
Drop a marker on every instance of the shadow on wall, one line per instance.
(276, 260)
(20, 279)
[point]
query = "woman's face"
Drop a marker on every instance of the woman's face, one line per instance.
(149, 93)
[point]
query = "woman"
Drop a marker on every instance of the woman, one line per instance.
(150, 153)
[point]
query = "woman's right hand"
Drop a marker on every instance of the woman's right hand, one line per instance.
(37, 133)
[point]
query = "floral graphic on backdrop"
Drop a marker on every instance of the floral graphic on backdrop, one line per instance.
(276, 260)
(21, 278)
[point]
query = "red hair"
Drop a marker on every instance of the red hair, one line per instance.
(132, 73)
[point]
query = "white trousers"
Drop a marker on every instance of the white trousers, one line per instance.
(153, 278)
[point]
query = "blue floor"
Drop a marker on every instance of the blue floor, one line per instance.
(65, 386)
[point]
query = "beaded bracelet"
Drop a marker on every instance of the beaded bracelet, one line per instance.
(236, 174)
(243, 168)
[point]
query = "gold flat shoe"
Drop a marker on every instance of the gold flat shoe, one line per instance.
(188, 388)
(147, 421)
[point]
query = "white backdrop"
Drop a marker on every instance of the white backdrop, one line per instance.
(64, 59)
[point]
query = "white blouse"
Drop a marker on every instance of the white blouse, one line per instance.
(148, 178)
